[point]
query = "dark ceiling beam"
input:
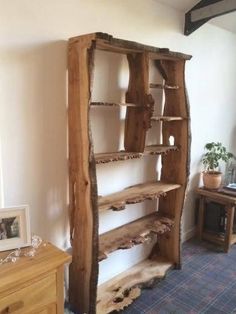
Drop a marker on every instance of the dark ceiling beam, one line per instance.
(204, 11)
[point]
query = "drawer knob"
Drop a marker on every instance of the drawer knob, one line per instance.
(13, 307)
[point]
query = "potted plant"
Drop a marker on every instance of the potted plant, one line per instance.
(215, 152)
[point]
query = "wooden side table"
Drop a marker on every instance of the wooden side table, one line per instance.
(229, 203)
(34, 285)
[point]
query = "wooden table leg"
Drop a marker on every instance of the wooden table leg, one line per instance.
(229, 227)
(201, 217)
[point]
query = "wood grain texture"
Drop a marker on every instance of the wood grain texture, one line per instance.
(60, 290)
(219, 197)
(51, 309)
(135, 194)
(123, 155)
(133, 233)
(107, 42)
(138, 120)
(84, 203)
(82, 178)
(175, 166)
(201, 217)
(31, 285)
(122, 290)
(166, 118)
(228, 203)
(32, 297)
(229, 227)
(47, 259)
(165, 86)
(112, 104)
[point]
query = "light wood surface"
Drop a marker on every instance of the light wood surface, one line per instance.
(133, 233)
(108, 42)
(119, 292)
(160, 86)
(135, 194)
(82, 178)
(175, 165)
(112, 104)
(123, 155)
(137, 122)
(34, 285)
(166, 118)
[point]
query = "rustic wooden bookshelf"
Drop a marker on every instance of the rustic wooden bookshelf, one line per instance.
(85, 205)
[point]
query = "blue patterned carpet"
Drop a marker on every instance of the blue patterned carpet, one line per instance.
(206, 284)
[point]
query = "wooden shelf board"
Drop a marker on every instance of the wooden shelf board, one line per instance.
(159, 149)
(107, 42)
(161, 86)
(123, 155)
(103, 158)
(166, 118)
(134, 233)
(122, 290)
(112, 104)
(135, 194)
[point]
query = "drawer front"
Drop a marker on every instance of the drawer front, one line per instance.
(51, 309)
(31, 298)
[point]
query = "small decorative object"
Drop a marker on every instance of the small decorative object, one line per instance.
(36, 241)
(14, 228)
(215, 152)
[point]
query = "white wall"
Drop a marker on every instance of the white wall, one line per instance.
(33, 35)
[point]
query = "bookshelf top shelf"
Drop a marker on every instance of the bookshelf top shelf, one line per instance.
(104, 41)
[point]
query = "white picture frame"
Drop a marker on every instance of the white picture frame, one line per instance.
(14, 227)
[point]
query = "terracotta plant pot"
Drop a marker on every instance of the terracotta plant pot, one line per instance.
(212, 179)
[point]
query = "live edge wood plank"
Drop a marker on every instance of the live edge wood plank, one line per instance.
(105, 41)
(160, 86)
(122, 290)
(135, 194)
(123, 155)
(112, 104)
(166, 118)
(134, 233)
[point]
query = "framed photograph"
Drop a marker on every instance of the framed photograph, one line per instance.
(14, 228)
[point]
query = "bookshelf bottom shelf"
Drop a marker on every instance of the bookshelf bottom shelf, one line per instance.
(123, 289)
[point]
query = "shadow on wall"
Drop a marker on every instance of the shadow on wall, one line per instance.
(190, 206)
(34, 134)
(233, 141)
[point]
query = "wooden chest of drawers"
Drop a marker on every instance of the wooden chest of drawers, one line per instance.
(34, 285)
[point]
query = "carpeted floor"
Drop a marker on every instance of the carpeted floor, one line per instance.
(206, 284)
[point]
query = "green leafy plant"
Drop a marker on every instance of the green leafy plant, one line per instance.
(215, 152)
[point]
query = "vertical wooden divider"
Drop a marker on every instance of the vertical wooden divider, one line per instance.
(138, 120)
(175, 166)
(82, 179)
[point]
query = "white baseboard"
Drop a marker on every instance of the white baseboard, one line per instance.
(188, 234)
